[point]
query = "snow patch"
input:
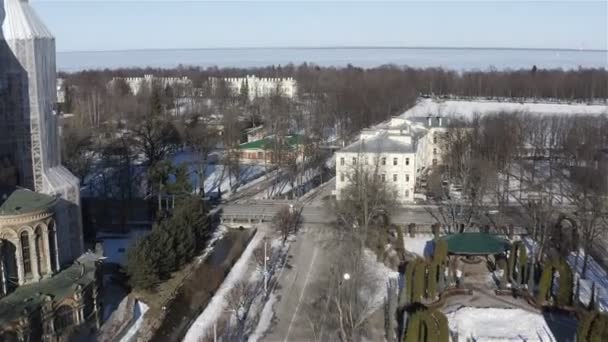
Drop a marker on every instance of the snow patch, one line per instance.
(139, 309)
(265, 319)
(421, 245)
(218, 303)
(492, 324)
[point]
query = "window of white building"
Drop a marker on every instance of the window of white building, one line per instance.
(383, 161)
(394, 177)
(407, 178)
(354, 161)
(383, 177)
(366, 160)
(342, 161)
(434, 151)
(394, 161)
(341, 177)
(407, 161)
(407, 193)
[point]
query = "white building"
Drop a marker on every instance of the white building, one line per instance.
(136, 84)
(259, 86)
(390, 150)
(411, 143)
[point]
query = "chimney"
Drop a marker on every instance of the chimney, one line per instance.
(429, 121)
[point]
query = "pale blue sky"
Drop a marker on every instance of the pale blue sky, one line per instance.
(122, 25)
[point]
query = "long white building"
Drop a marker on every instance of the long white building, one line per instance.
(259, 86)
(136, 84)
(410, 144)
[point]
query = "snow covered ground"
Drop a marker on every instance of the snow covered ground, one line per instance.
(595, 274)
(216, 175)
(115, 246)
(494, 325)
(217, 306)
(265, 319)
(468, 109)
(379, 275)
(139, 310)
(421, 244)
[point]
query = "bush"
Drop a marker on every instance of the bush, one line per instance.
(440, 254)
(412, 332)
(564, 295)
(426, 325)
(544, 285)
(406, 292)
(419, 288)
(432, 280)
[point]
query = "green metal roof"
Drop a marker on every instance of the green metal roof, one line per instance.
(61, 285)
(23, 201)
(475, 244)
(266, 143)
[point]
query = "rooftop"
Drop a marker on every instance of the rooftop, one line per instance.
(266, 143)
(61, 285)
(468, 108)
(475, 244)
(23, 201)
(382, 142)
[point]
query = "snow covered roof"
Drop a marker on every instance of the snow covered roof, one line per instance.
(380, 143)
(466, 109)
(22, 22)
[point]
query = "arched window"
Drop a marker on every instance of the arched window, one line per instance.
(25, 251)
(64, 318)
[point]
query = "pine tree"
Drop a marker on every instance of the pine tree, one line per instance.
(140, 267)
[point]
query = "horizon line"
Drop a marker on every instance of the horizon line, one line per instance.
(341, 47)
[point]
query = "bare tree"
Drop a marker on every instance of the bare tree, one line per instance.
(287, 221)
(367, 199)
(202, 139)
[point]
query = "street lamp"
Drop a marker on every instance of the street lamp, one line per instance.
(346, 276)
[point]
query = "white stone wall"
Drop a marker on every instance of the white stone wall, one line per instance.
(398, 170)
(430, 148)
(260, 87)
(137, 83)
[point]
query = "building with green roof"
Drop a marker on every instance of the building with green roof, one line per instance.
(271, 149)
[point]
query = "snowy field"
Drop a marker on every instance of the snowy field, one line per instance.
(115, 246)
(595, 274)
(421, 244)
(495, 325)
(468, 109)
(139, 310)
(379, 276)
(218, 305)
(217, 177)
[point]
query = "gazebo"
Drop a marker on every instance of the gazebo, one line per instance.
(475, 244)
(472, 249)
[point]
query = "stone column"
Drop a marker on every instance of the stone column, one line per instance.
(46, 252)
(3, 287)
(34, 256)
(56, 256)
(19, 260)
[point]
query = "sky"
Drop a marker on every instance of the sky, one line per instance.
(89, 25)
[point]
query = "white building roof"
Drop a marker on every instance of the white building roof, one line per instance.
(21, 21)
(380, 143)
(467, 109)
